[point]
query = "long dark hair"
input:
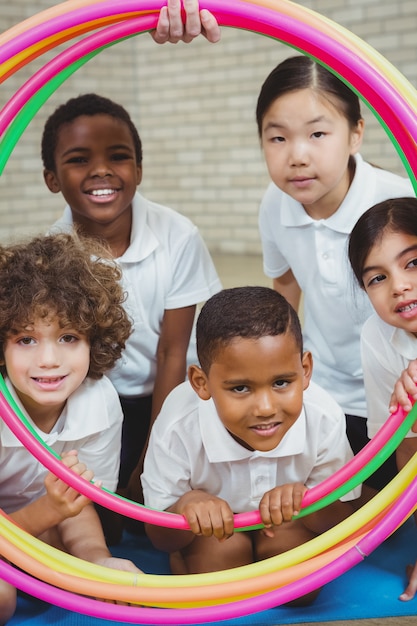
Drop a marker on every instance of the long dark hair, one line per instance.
(398, 215)
(301, 72)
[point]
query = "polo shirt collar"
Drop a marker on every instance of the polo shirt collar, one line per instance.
(220, 446)
(143, 241)
(404, 343)
(293, 213)
(84, 415)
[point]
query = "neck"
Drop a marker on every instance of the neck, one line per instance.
(115, 234)
(328, 205)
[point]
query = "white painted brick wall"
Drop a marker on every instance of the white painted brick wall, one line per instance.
(194, 107)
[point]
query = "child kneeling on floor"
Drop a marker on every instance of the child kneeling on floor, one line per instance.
(62, 326)
(248, 430)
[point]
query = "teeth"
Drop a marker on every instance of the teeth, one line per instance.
(409, 307)
(48, 380)
(265, 426)
(102, 192)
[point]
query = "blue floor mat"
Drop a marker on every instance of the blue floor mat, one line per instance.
(370, 589)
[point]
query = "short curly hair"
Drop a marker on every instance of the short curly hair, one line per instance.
(69, 277)
(86, 104)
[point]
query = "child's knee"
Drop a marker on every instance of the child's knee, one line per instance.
(7, 602)
(207, 554)
(286, 537)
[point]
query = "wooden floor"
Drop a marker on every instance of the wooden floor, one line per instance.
(236, 271)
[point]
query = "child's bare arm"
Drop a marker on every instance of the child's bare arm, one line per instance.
(405, 386)
(83, 537)
(59, 502)
(206, 515)
(289, 288)
(171, 356)
(171, 369)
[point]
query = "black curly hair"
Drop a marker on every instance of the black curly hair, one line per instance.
(87, 104)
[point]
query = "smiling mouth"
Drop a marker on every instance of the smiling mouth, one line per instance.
(99, 193)
(266, 427)
(407, 307)
(56, 379)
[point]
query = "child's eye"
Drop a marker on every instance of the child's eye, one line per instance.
(412, 263)
(376, 279)
(69, 338)
(278, 139)
(240, 389)
(77, 159)
(281, 384)
(26, 341)
(318, 134)
(121, 156)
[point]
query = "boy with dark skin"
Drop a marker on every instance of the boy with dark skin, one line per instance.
(249, 430)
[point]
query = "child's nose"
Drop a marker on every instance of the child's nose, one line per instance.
(400, 283)
(298, 153)
(48, 355)
(101, 168)
(264, 404)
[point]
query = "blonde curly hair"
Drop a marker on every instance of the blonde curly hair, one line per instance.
(72, 278)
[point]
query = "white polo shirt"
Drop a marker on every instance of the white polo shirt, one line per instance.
(386, 351)
(90, 423)
(167, 266)
(190, 449)
(335, 308)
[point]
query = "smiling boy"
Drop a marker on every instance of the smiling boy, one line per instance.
(249, 430)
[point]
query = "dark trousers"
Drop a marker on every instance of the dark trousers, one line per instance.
(358, 438)
(136, 421)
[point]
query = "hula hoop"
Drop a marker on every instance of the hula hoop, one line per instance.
(216, 585)
(235, 609)
(363, 464)
(299, 35)
(383, 88)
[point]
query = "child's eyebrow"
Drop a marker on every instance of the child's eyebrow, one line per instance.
(121, 146)
(412, 248)
(74, 149)
(277, 125)
(272, 125)
(398, 257)
(117, 146)
(246, 381)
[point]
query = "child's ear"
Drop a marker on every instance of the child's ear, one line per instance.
(199, 382)
(307, 362)
(138, 174)
(357, 137)
(51, 181)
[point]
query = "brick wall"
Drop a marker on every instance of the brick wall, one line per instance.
(194, 107)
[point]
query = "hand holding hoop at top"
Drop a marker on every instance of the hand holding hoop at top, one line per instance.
(171, 28)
